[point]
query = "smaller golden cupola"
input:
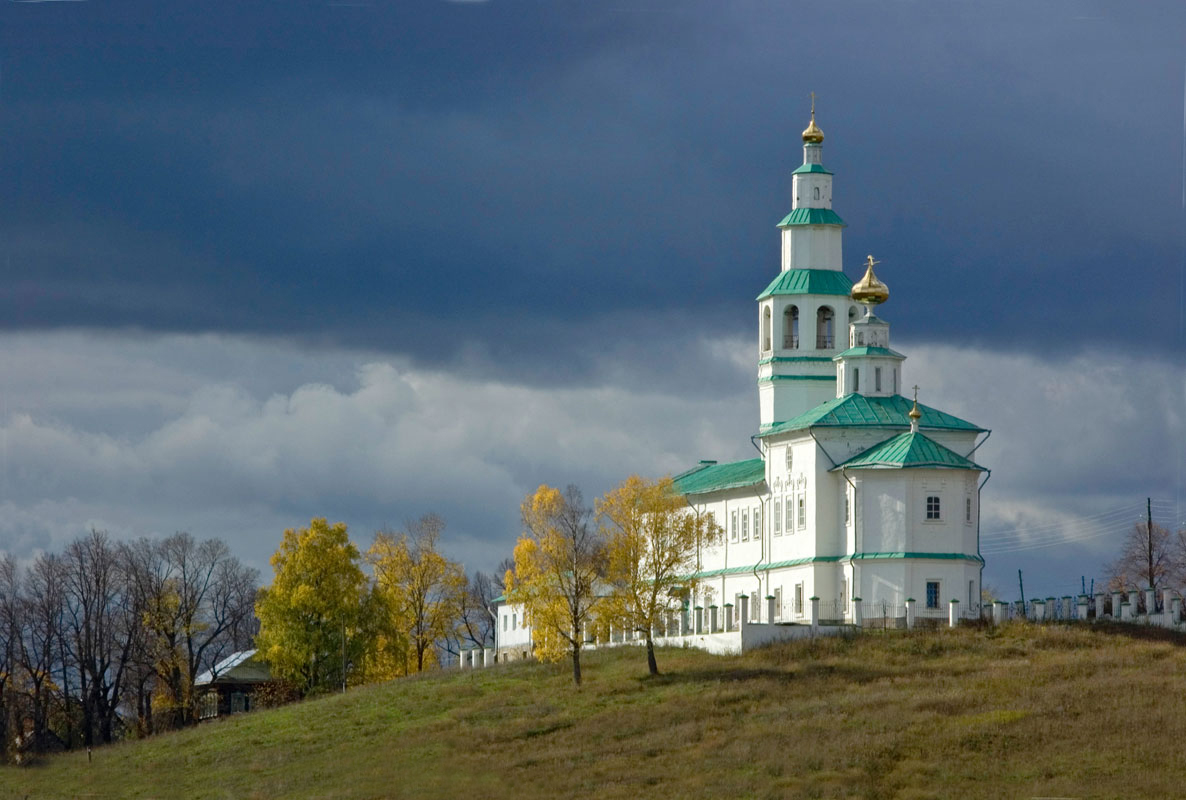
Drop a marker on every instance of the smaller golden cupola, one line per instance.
(812, 134)
(869, 291)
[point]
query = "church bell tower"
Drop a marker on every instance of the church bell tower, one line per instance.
(805, 311)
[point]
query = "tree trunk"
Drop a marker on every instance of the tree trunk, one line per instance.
(576, 664)
(651, 665)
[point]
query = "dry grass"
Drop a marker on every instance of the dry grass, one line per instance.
(1021, 711)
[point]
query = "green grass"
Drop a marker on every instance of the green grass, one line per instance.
(1022, 711)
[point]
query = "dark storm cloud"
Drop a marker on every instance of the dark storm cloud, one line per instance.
(494, 183)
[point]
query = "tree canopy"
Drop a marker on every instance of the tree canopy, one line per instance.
(653, 540)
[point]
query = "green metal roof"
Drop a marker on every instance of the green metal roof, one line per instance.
(710, 477)
(859, 411)
(809, 281)
(907, 451)
(793, 359)
(811, 216)
(868, 351)
(811, 168)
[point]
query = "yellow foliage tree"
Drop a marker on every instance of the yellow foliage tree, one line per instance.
(423, 589)
(653, 541)
(559, 562)
(315, 629)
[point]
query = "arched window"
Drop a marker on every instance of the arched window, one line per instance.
(856, 379)
(790, 328)
(817, 193)
(825, 328)
(766, 329)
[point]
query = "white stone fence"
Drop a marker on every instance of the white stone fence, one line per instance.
(1140, 606)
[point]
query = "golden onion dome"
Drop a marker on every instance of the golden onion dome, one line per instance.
(812, 133)
(868, 290)
(914, 413)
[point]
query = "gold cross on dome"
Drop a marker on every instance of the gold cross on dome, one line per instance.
(813, 105)
(916, 393)
(869, 262)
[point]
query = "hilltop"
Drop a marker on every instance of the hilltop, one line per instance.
(1069, 711)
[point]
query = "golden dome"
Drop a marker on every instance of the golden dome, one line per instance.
(813, 134)
(868, 290)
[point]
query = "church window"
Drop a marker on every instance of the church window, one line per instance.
(895, 380)
(766, 329)
(733, 528)
(788, 518)
(802, 505)
(856, 379)
(790, 458)
(817, 193)
(825, 328)
(514, 621)
(933, 507)
(967, 509)
(777, 517)
(745, 525)
(847, 509)
(790, 328)
(932, 594)
(877, 379)
(799, 599)
(505, 620)
(757, 521)
(852, 313)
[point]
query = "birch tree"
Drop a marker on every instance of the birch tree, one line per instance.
(559, 563)
(652, 540)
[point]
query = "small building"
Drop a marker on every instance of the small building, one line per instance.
(229, 687)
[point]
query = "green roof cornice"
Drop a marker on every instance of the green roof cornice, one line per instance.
(811, 168)
(909, 451)
(808, 281)
(793, 359)
(801, 562)
(811, 216)
(869, 351)
(718, 477)
(770, 378)
(859, 411)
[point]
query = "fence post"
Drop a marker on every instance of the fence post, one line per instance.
(1167, 598)
(1083, 600)
(1099, 606)
(743, 611)
(814, 613)
(1175, 610)
(858, 616)
(1039, 607)
(1127, 610)
(728, 616)
(698, 620)
(953, 613)
(910, 613)
(712, 619)
(998, 611)
(1150, 601)
(770, 609)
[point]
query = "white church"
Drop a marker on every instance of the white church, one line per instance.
(863, 504)
(859, 492)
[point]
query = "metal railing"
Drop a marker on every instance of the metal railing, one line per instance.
(790, 342)
(825, 342)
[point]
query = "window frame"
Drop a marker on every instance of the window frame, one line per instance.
(934, 508)
(937, 595)
(777, 519)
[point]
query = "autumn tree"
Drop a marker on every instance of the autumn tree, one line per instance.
(653, 540)
(1150, 555)
(559, 562)
(312, 621)
(425, 590)
(195, 601)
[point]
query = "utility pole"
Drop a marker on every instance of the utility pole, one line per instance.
(1021, 586)
(1149, 536)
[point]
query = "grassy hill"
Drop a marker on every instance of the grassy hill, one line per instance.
(1017, 712)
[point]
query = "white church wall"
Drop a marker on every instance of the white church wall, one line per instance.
(812, 247)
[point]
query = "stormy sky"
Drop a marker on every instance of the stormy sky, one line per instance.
(260, 262)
